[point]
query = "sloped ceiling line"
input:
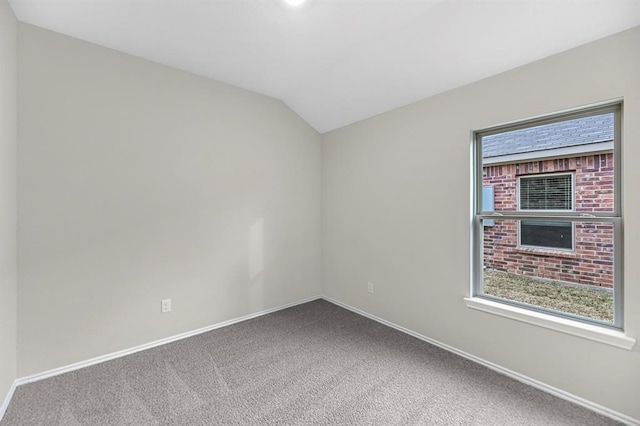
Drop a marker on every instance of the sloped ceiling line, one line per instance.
(336, 62)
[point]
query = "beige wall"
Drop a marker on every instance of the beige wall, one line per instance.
(396, 211)
(8, 87)
(139, 182)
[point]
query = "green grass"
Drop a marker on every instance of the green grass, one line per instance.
(577, 300)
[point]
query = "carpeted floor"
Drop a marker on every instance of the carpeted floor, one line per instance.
(313, 364)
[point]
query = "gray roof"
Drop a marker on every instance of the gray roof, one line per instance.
(579, 131)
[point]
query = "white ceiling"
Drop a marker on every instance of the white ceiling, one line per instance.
(337, 61)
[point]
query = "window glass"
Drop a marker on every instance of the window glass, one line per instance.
(546, 234)
(545, 157)
(549, 239)
(581, 285)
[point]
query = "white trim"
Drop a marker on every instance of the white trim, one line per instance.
(125, 352)
(517, 376)
(549, 154)
(509, 373)
(5, 403)
(563, 325)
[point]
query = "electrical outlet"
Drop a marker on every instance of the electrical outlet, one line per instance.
(370, 287)
(166, 306)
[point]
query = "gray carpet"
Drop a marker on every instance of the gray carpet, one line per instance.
(311, 364)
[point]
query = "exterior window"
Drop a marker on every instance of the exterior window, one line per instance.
(549, 239)
(547, 234)
(553, 192)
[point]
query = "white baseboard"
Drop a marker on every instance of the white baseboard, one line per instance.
(5, 403)
(517, 376)
(125, 352)
(623, 418)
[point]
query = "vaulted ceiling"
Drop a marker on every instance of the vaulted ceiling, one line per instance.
(335, 62)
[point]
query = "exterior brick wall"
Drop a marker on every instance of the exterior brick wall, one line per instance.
(592, 260)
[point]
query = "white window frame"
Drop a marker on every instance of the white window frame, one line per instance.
(612, 333)
(572, 175)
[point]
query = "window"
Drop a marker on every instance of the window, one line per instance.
(546, 234)
(549, 240)
(546, 192)
(550, 192)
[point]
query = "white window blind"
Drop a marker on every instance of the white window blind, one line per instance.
(554, 192)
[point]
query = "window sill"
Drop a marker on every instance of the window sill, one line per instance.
(546, 252)
(563, 325)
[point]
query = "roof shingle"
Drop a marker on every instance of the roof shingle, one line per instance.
(579, 131)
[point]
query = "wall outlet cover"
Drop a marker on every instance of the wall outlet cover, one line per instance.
(166, 306)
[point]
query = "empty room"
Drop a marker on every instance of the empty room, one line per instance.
(319, 212)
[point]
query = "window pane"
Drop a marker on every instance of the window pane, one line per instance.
(578, 283)
(544, 158)
(546, 234)
(546, 193)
